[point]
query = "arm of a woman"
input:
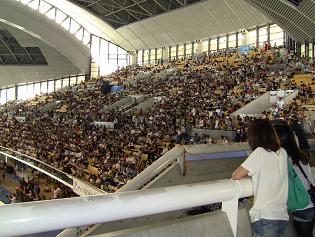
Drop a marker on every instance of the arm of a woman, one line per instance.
(239, 173)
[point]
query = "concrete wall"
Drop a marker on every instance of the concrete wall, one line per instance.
(213, 133)
(204, 225)
(58, 64)
(51, 34)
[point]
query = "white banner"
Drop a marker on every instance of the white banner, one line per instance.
(104, 124)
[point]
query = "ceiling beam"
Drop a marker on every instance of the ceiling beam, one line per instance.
(160, 5)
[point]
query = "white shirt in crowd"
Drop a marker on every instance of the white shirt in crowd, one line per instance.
(270, 184)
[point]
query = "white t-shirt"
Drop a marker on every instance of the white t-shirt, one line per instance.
(269, 173)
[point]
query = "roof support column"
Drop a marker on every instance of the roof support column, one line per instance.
(298, 49)
(268, 33)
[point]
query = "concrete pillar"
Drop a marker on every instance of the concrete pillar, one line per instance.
(313, 42)
(298, 49)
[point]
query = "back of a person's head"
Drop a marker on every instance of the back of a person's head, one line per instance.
(288, 141)
(261, 133)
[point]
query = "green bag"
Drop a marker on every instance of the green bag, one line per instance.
(298, 197)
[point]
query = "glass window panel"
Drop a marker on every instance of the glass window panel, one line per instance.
(37, 89)
(44, 7)
(95, 49)
(79, 34)
(81, 79)
(310, 50)
(158, 54)
(188, 49)
(121, 51)
(34, 4)
(263, 36)
(58, 84)
(65, 82)
(251, 37)
(73, 81)
(123, 62)
(195, 44)
(146, 56)
(66, 23)
(30, 91)
(173, 52)
(232, 41)
(60, 16)
(3, 98)
(205, 45)
(112, 49)
(152, 56)
(303, 50)
(139, 59)
(74, 26)
(240, 39)
(104, 56)
(51, 14)
(51, 85)
(11, 94)
(213, 44)
(275, 29)
(25, 1)
(181, 51)
(86, 37)
(222, 42)
(276, 35)
(43, 88)
(22, 92)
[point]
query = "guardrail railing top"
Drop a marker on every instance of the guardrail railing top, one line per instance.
(40, 165)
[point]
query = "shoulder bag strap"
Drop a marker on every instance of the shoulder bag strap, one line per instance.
(305, 176)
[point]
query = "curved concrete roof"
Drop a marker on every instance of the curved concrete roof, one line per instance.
(197, 21)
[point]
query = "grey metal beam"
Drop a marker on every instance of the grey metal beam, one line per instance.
(5, 44)
(160, 5)
(123, 7)
(144, 9)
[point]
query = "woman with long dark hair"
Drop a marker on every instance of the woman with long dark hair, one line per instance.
(267, 166)
(303, 219)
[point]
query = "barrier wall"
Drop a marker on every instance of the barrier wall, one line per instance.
(256, 106)
(214, 133)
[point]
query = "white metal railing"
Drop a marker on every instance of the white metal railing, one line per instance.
(37, 217)
(45, 216)
(60, 18)
(78, 186)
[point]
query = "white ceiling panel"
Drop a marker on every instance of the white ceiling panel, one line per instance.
(199, 21)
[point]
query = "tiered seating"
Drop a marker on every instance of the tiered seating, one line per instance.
(303, 78)
(202, 93)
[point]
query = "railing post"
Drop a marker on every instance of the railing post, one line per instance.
(231, 209)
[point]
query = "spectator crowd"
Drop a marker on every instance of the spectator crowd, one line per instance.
(201, 92)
